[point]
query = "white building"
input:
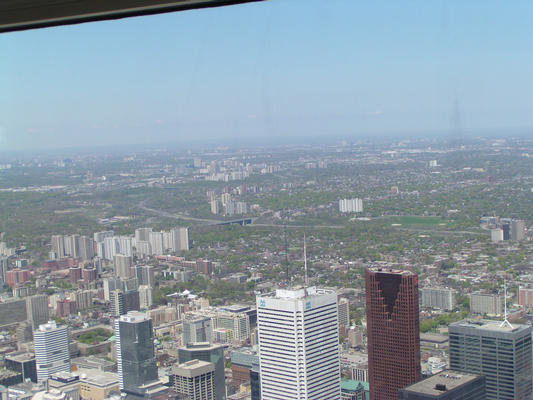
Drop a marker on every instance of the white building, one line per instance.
(299, 344)
(215, 207)
(145, 297)
(52, 352)
(496, 235)
(442, 298)
(157, 243)
(351, 205)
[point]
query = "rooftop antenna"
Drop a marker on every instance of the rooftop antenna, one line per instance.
(286, 253)
(505, 320)
(305, 265)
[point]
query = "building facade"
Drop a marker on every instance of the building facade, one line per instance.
(136, 362)
(194, 380)
(393, 331)
(499, 351)
(209, 353)
(196, 328)
(299, 344)
(52, 352)
(441, 298)
(486, 303)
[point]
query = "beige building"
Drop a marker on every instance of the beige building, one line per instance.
(96, 385)
(194, 380)
(486, 303)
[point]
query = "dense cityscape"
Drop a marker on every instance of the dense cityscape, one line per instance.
(351, 270)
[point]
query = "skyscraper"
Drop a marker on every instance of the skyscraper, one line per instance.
(194, 380)
(208, 353)
(393, 331)
(135, 352)
(499, 351)
(299, 344)
(52, 352)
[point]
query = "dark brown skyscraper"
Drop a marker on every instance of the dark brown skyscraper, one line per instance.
(393, 331)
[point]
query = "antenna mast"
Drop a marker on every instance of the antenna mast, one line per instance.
(505, 320)
(286, 253)
(305, 265)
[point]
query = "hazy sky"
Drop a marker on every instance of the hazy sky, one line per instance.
(281, 67)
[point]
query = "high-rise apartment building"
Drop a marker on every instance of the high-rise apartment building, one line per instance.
(518, 229)
(123, 266)
(196, 328)
(83, 299)
(145, 297)
(136, 361)
(441, 298)
(142, 234)
(52, 352)
(74, 274)
(145, 274)
(351, 205)
(486, 303)
(157, 243)
(209, 353)
(183, 239)
(124, 302)
(525, 296)
(501, 352)
(393, 331)
(37, 310)
(344, 313)
(4, 262)
(299, 344)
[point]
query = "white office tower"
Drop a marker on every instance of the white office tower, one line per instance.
(299, 344)
(51, 350)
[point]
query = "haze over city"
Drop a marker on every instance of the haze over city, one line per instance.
(270, 70)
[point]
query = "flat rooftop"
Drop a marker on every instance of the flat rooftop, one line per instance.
(21, 357)
(490, 325)
(98, 378)
(298, 293)
(381, 270)
(134, 316)
(449, 380)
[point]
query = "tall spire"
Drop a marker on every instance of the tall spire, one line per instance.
(505, 320)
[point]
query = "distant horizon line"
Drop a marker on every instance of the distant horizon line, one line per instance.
(239, 142)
